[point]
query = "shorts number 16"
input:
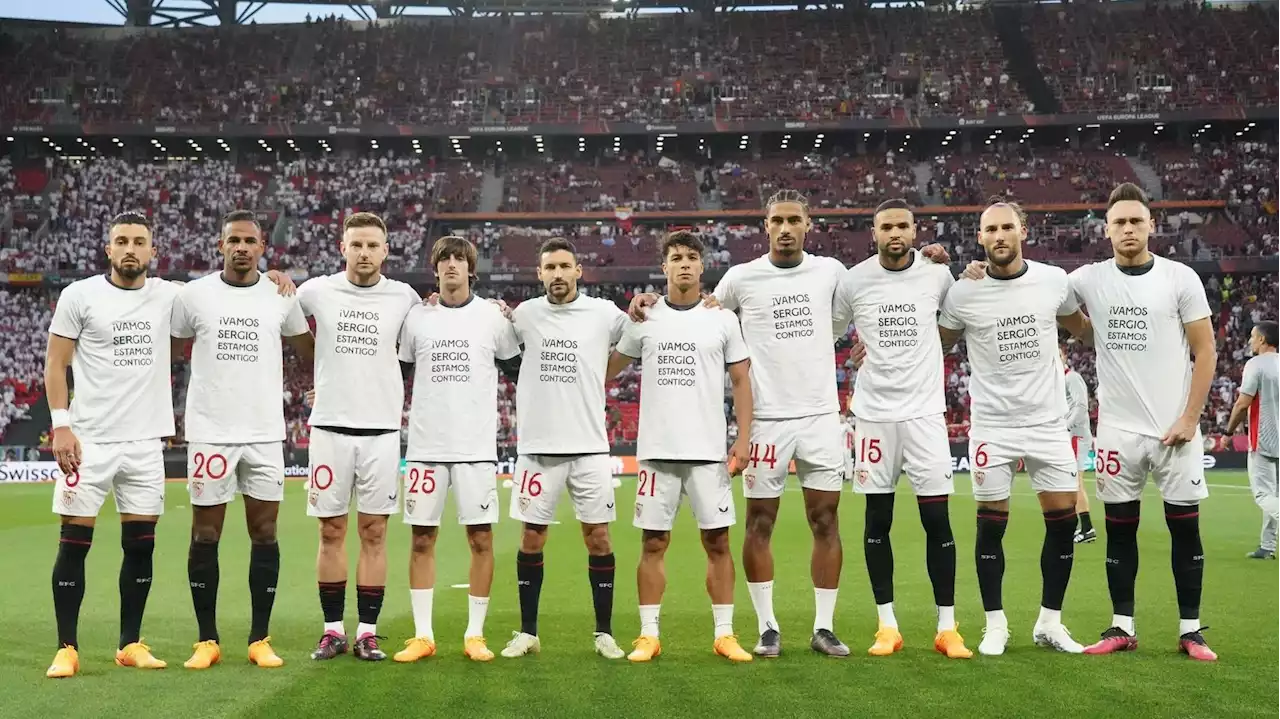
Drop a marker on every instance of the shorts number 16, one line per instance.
(529, 484)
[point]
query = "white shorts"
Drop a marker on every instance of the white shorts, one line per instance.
(919, 447)
(1045, 448)
(850, 439)
(816, 443)
(342, 464)
(475, 492)
(1082, 445)
(134, 471)
(540, 479)
(216, 473)
(1124, 458)
(660, 485)
(1263, 478)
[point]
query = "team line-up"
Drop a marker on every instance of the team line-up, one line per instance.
(769, 324)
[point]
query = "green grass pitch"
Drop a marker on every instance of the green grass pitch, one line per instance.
(568, 680)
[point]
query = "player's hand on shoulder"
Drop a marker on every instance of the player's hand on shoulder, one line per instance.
(284, 283)
(432, 299)
(66, 450)
(309, 399)
(502, 306)
(975, 270)
(858, 354)
(640, 305)
(710, 302)
(936, 254)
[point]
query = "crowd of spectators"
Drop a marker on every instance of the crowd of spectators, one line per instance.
(24, 324)
(814, 64)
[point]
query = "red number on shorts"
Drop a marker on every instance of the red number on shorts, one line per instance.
(649, 477)
(198, 458)
(315, 477)
(73, 479)
(979, 456)
(206, 467)
(848, 440)
(529, 484)
(422, 483)
(871, 450)
(1107, 462)
(770, 455)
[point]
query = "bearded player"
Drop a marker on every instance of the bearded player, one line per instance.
(784, 303)
(235, 425)
(685, 349)
(562, 443)
(355, 427)
(456, 348)
(893, 300)
(1010, 320)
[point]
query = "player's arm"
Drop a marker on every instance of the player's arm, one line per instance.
(842, 307)
(617, 363)
(1079, 325)
(283, 282)
(950, 323)
(629, 348)
(1193, 310)
(509, 350)
(65, 445)
(297, 333)
(743, 412)
(304, 345)
(1248, 390)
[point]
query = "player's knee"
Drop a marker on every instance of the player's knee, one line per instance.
(423, 540)
(879, 515)
(333, 533)
(596, 537)
(373, 534)
(263, 531)
(654, 544)
(824, 521)
(208, 532)
(533, 539)
(481, 539)
(716, 542)
(760, 525)
(935, 517)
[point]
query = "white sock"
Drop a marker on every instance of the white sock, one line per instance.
(885, 612)
(363, 629)
(824, 608)
(421, 600)
(1125, 623)
(477, 608)
(1186, 626)
(997, 620)
(336, 628)
(649, 619)
(762, 600)
(723, 616)
(946, 618)
(1049, 617)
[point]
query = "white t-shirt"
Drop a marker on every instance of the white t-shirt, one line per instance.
(236, 391)
(1262, 380)
(357, 370)
(1143, 357)
(896, 315)
(1077, 405)
(120, 368)
(560, 393)
(683, 354)
(454, 413)
(1011, 331)
(786, 320)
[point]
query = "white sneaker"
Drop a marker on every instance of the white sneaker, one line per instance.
(607, 647)
(994, 640)
(1057, 637)
(521, 644)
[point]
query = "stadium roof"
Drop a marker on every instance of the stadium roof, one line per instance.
(174, 13)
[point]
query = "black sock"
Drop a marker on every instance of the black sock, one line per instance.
(1187, 556)
(333, 600)
(940, 548)
(988, 554)
(369, 603)
(138, 540)
(529, 585)
(264, 573)
(601, 570)
(1086, 522)
(876, 546)
(1122, 554)
(68, 580)
(202, 575)
(1057, 554)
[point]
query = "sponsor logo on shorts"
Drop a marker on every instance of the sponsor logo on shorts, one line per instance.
(197, 489)
(609, 505)
(409, 504)
(979, 477)
(723, 510)
(1197, 482)
(68, 496)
